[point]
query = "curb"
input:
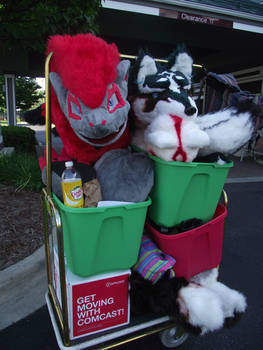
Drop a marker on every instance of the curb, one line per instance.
(244, 179)
(22, 269)
(22, 288)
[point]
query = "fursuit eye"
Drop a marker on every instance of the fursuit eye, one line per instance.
(74, 107)
(155, 95)
(115, 100)
(178, 77)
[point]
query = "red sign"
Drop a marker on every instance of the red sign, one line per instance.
(195, 18)
(100, 304)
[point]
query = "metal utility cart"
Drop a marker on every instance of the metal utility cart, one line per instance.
(170, 335)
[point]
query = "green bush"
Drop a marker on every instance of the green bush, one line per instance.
(21, 170)
(22, 138)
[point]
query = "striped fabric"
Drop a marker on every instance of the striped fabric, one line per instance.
(219, 89)
(222, 91)
(227, 79)
(152, 262)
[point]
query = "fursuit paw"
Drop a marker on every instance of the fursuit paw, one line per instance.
(233, 302)
(201, 308)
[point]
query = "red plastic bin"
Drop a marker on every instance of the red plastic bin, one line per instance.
(195, 250)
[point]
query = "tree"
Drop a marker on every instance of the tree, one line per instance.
(29, 23)
(28, 94)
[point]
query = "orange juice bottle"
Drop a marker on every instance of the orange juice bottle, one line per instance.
(72, 187)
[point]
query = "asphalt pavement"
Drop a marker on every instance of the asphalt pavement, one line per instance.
(24, 318)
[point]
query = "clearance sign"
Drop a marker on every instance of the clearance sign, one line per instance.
(195, 18)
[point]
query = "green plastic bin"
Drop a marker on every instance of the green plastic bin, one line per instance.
(99, 240)
(185, 190)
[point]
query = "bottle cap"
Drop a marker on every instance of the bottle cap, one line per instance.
(68, 164)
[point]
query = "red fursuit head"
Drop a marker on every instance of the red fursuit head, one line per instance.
(86, 65)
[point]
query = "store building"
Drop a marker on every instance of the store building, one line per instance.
(223, 35)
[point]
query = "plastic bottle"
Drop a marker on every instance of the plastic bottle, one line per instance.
(72, 187)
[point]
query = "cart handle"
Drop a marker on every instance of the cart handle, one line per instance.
(225, 197)
(157, 60)
(51, 206)
(55, 213)
(48, 125)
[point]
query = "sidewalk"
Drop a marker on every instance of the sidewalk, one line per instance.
(22, 288)
(248, 170)
(40, 131)
(23, 285)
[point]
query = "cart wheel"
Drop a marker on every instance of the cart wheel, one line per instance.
(173, 337)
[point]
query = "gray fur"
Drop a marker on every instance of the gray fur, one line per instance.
(125, 175)
(61, 92)
(122, 70)
(97, 123)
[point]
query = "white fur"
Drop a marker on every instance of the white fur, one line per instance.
(205, 278)
(231, 300)
(148, 67)
(206, 303)
(184, 64)
(227, 131)
(221, 131)
(162, 139)
(220, 161)
(160, 135)
(203, 308)
(174, 107)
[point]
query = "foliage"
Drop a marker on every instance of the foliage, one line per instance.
(28, 94)
(29, 23)
(22, 138)
(21, 170)
(2, 97)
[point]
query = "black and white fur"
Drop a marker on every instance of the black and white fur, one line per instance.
(200, 305)
(229, 129)
(158, 93)
(160, 103)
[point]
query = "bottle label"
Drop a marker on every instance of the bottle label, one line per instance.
(72, 193)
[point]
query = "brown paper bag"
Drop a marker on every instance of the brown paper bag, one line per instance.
(92, 193)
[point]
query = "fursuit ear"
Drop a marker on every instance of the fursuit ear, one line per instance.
(143, 66)
(122, 71)
(147, 67)
(60, 90)
(122, 77)
(180, 60)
